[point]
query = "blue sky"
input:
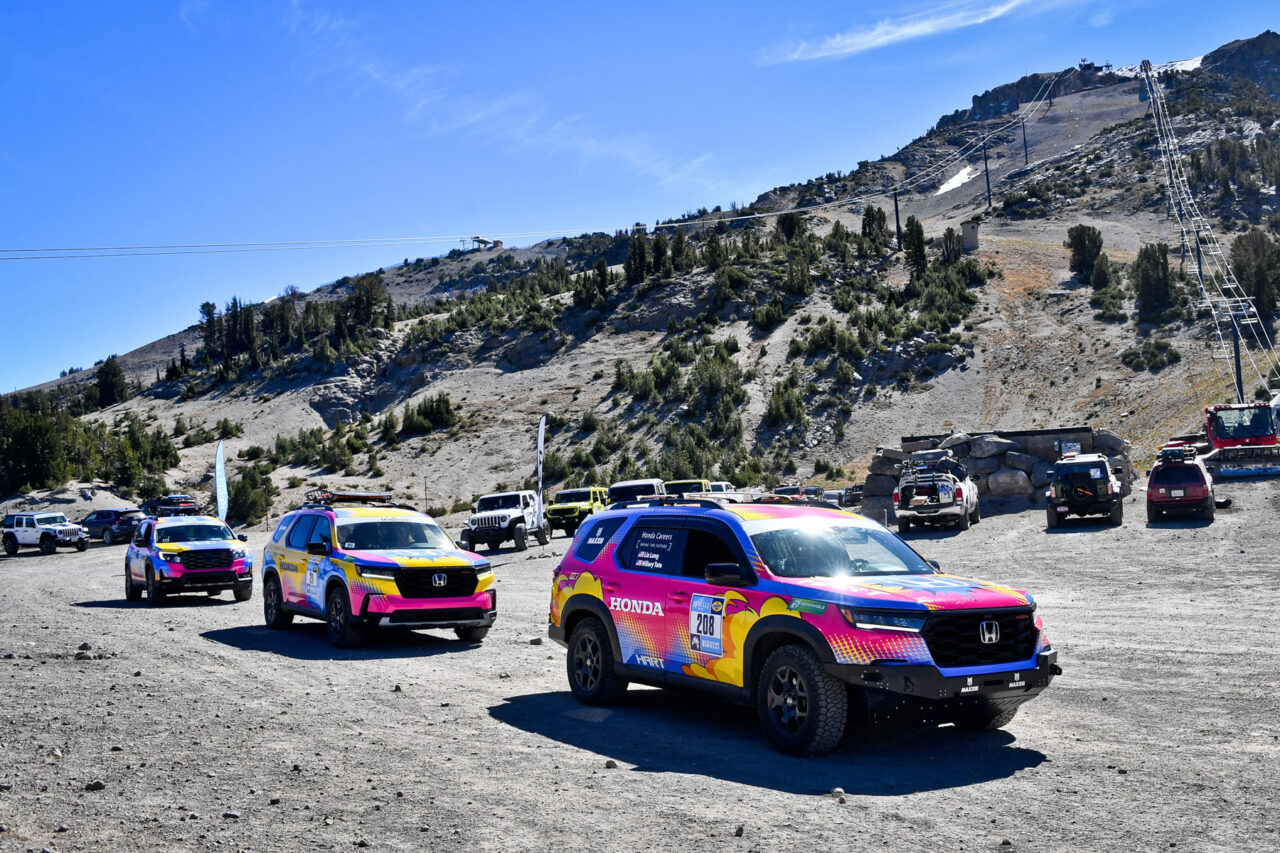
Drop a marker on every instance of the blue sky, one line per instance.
(198, 122)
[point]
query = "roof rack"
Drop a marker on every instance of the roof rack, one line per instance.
(666, 500)
(322, 498)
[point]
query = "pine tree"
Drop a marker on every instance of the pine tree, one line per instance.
(111, 383)
(913, 247)
(1085, 243)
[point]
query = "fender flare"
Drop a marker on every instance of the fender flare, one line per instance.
(582, 605)
(772, 628)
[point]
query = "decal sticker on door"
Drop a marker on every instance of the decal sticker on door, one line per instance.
(706, 624)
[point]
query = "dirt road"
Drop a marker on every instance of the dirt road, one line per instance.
(210, 732)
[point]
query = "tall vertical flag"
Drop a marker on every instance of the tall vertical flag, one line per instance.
(220, 482)
(542, 435)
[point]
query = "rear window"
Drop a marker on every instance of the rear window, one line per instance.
(630, 493)
(1177, 475)
(594, 536)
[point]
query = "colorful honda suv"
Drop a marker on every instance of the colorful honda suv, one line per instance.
(795, 610)
(186, 553)
(358, 562)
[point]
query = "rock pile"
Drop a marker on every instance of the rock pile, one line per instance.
(1008, 475)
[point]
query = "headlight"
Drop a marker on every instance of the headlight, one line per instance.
(482, 568)
(239, 554)
(385, 573)
(880, 620)
(173, 558)
(502, 519)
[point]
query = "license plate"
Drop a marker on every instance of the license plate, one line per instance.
(1062, 509)
(1177, 493)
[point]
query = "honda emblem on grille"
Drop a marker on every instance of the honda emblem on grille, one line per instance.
(989, 631)
(440, 579)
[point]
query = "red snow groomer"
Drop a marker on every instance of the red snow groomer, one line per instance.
(1244, 439)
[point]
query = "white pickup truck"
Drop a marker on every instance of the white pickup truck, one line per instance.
(935, 489)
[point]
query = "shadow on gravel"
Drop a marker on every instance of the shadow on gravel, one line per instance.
(172, 602)
(930, 533)
(307, 641)
(667, 731)
(1175, 523)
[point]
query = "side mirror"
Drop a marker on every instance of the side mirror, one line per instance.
(729, 574)
(243, 537)
(320, 549)
(935, 565)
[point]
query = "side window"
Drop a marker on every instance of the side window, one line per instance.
(322, 532)
(281, 528)
(144, 535)
(301, 532)
(596, 535)
(705, 547)
(654, 547)
(29, 522)
(8, 521)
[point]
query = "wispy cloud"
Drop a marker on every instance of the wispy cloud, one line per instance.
(940, 19)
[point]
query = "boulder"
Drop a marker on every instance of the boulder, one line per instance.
(989, 465)
(1021, 461)
(1042, 474)
(1124, 472)
(955, 440)
(879, 485)
(1106, 441)
(892, 453)
(922, 444)
(984, 446)
(882, 465)
(878, 509)
(1008, 482)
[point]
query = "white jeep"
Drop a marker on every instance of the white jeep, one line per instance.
(502, 517)
(43, 530)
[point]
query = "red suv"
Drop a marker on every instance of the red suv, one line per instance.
(1179, 483)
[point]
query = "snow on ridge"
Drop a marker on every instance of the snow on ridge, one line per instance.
(1177, 65)
(962, 177)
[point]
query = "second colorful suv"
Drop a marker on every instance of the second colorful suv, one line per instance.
(793, 609)
(371, 564)
(186, 553)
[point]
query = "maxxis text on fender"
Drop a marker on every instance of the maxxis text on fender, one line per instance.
(590, 665)
(802, 709)
(273, 612)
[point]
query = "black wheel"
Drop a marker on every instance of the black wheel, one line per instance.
(82, 545)
(273, 612)
(976, 516)
(472, 634)
(543, 535)
(155, 595)
(48, 544)
(1117, 514)
(986, 721)
(962, 523)
(802, 708)
(243, 593)
(571, 530)
(341, 625)
(1210, 510)
(464, 540)
(521, 537)
(10, 544)
(590, 665)
(1051, 519)
(1153, 514)
(132, 592)
(904, 524)
(108, 538)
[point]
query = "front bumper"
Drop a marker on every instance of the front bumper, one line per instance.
(566, 520)
(927, 513)
(1093, 508)
(206, 580)
(928, 683)
(392, 611)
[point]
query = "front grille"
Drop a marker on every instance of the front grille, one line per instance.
(208, 578)
(421, 583)
(441, 614)
(954, 638)
(216, 558)
(486, 522)
(558, 511)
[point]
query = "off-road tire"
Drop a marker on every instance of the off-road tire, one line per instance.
(82, 545)
(243, 593)
(521, 537)
(10, 544)
(1051, 519)
(963, 522)
(1153, 514)
(464, 540)
(571, 530)
(590, 665)
(339, 622)
(1117, 514)
(802, 709)
(155, 595)
(543, 535)
(985, 722)
(48, 544)
(904, 524)
(108, 538)
(273, 612)
(472, 633)
(1210, 510)
(976, 516)
(132, 592)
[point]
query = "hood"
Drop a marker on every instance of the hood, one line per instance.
(570, 505)
(416, 559)
(913, 592)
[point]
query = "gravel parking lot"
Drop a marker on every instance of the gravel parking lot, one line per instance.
(207, 731)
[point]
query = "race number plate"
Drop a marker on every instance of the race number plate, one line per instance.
(706, 623)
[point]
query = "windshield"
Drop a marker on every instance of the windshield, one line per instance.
(51, 519)
(836, 550)
(787, 490)
(1242, 423)
(392, 535)
(573, 496)
(492, 502)
(630, 493)
(193, 533)
(132, 516)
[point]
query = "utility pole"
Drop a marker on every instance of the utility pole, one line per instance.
(1025, 160)
(897, 220)
(987, 170)
(1235, 340)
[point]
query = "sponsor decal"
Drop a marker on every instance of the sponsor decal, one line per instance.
(636, 605)
(1017, 681)
(649, 660)
(989, 631)
(805, 605)
(439, 579)
(597, 538)
(969, 687)
(706, 624)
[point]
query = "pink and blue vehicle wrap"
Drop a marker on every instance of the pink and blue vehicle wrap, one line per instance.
(407, 586)
(224, 561)
(686, 627)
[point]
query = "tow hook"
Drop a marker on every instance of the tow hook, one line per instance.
(1054, 669)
